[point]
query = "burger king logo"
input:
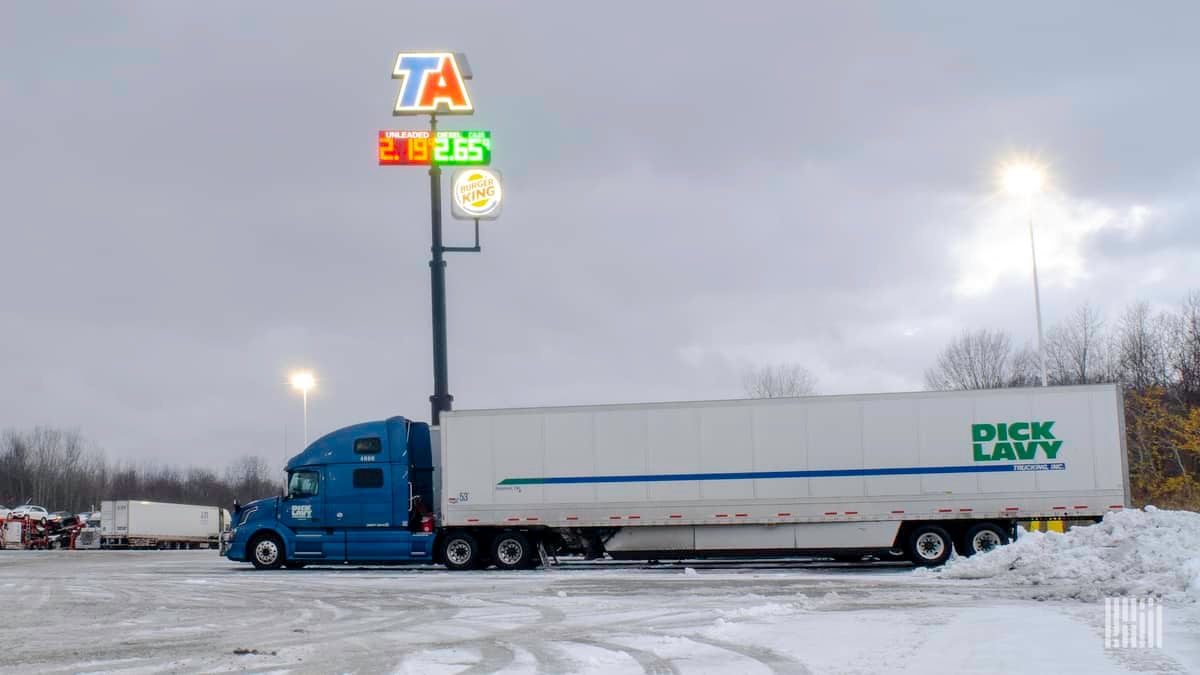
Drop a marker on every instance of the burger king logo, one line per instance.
(477, 194)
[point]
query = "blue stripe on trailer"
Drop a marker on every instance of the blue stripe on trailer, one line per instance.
(816, 473)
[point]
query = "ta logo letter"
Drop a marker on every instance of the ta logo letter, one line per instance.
(432, 82)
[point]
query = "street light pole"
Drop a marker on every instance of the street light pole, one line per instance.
(302, 381)
(305, 396)
(1037, 295)
(1025, 179)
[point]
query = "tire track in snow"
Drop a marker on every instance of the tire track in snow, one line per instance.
(771, 659)
(651, 663)
(494, 656)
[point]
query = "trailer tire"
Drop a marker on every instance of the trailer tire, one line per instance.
(929, 545)
(266, 551)
(982, 538)
(460, 551)
(511, 551)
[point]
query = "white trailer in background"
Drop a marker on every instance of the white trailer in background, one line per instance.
(911, 473)
(142, 524)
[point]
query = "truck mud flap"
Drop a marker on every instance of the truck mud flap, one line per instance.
(543, 557)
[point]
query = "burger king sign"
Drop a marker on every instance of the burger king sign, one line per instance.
(476, 194)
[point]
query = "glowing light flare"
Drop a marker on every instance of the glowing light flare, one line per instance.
(302, 380)
(1023, 178)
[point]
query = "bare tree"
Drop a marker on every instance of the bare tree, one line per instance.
(1142, 348)
(981, 359)
(250, 478)
(1026, 368)
(779, 381)
(55, 468)
(1184, 349)
(1076, 349)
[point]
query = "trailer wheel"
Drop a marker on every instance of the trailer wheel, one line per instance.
(511, 551)
(266, 551)
(929, 546)
(982, 538)
(459, 551)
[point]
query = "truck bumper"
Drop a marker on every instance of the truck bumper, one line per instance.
(232, 548)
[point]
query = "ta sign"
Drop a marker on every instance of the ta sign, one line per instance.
(432, 83)
(475, 194)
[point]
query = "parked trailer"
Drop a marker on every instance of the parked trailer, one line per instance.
(142, 524)
(913, 475)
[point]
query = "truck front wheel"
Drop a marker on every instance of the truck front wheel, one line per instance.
(929, 545)
(266, 551)
(460, 551)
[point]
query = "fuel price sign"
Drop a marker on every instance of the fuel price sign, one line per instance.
(449, 148)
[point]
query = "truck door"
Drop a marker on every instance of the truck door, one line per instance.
(303, 511)
(375, 536)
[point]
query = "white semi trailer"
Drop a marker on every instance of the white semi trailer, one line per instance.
(911, 474)
(143, 524)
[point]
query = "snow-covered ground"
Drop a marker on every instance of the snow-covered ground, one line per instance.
(150, 612)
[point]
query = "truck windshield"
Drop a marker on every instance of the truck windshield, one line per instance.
(302, 484)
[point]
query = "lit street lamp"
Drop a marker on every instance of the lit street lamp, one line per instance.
(1025, 179)
(302, 381)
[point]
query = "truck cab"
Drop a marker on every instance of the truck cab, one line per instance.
(361, 494)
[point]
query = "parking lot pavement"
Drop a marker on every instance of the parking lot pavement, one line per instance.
(192, 611)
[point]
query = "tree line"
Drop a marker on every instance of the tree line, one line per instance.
(1154, 355)
(57, 469)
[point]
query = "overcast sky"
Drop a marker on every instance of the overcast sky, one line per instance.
(192, 206)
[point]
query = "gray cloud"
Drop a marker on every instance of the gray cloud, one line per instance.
(191, 203)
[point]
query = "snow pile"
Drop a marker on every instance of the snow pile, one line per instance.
(1150, 552)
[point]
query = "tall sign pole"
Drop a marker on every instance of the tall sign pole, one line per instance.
(441, 398)
(434, 83)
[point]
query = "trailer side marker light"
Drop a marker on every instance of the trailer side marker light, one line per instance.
(898, 511)
(1081, 507)
(513, 520)
(1115, 506)
(572, 517)
(741, 515)
(1060, 508)
(1012, 508)
(635, 517)
(532, 519)
(721, 515)
(945, 510)
(782, 515)
(852, 513)
(675, 515)
(472, 520)
(831, 513)
(966, 510)
(614, 517)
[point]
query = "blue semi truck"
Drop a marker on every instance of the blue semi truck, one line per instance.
(893, 475)
(362, 493)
